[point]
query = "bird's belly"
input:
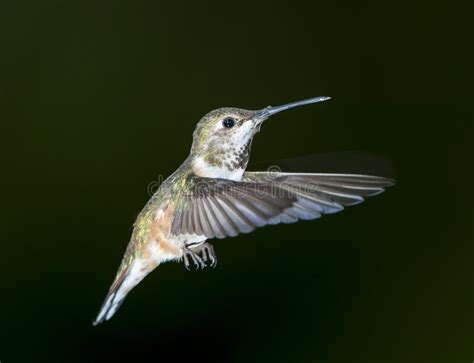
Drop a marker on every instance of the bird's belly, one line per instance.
(163, 249)
(164, 245)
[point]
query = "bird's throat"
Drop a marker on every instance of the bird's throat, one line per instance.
(225, 163)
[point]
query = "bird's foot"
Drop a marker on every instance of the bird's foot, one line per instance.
(190, 255)
(200, 256)
(208, 254)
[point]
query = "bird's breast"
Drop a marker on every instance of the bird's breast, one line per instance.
(225, 169)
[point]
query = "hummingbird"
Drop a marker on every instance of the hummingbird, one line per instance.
(211, 195)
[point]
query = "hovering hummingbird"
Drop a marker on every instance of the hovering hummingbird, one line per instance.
(211, 195)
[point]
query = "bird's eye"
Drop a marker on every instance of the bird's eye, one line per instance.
(228, 122)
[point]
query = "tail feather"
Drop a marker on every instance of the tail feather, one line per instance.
(125, 281)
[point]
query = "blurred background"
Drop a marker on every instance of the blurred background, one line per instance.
(99, 99)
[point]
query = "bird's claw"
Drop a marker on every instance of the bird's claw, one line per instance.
(208, 254)
(196, 259)
(200, 261)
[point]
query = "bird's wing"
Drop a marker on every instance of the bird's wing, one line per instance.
(218, 208)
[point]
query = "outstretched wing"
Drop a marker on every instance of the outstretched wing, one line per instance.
(218, 208)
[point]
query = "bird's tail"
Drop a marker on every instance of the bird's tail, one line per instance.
(127, 278)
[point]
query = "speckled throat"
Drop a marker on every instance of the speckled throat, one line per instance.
(230, 156)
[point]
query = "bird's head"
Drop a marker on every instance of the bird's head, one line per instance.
(222, 139)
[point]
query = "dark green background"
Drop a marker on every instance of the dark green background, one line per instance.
(99, 98)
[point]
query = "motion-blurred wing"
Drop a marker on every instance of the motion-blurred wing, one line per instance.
(219, 208)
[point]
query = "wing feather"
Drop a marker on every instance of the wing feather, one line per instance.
(229, 225)
(224, 208)
(216, 224)
(197, 216)
(210, 226)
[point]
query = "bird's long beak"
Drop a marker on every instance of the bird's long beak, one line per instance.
(265, 113)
